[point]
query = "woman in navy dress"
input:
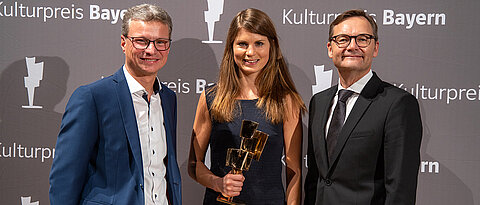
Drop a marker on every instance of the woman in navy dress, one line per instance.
(254, 84)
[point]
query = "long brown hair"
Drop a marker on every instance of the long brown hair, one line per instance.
(274, 82)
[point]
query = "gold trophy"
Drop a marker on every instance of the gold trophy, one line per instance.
(251, 147)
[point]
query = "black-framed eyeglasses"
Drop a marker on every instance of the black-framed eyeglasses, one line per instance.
(161, 44)
(343, 40)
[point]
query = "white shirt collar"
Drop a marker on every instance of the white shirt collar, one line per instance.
(358, 86)
(133, 84)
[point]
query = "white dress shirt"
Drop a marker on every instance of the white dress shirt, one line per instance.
(357, 88)
(151, 130)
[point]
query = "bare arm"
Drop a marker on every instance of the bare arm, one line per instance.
(292, 131)
(230, 185)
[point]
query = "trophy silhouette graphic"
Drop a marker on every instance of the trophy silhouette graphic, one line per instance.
(323, 79)
(28, 201)
(251, 147)
(35, 74)
(212, 15)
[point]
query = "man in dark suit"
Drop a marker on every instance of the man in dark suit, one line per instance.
(117, 141)
(364, 134)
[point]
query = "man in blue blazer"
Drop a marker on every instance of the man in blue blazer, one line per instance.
(364, 134)
(117, 141)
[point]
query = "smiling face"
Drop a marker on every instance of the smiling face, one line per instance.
(353, 58)
(145, 62)
(251, 52)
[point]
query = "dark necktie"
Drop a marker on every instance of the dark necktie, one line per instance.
(336, 123)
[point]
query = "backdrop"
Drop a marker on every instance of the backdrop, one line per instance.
(49, 48)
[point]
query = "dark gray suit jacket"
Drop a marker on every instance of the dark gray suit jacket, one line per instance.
(377, 155)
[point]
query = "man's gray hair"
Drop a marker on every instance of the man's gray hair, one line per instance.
(146, 12)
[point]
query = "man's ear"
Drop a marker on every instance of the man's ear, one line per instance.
(123, 42)
(375, 51)
(329, 49)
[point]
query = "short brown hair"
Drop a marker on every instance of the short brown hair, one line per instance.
(146, 12)
(352, 13)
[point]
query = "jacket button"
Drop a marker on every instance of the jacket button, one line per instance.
(141, 186)
(328, 182)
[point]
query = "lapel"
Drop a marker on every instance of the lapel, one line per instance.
(128, 117)
(364, 100)
(167, 116)
(323, 104)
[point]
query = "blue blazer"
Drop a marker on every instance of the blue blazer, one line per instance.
(98, 159)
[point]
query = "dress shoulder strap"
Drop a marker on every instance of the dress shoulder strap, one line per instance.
(210, 92)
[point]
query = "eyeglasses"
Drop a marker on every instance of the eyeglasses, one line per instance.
(161, 44)
(343, 40)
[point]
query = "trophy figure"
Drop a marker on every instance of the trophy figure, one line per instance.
(255, 144)
(251, 147)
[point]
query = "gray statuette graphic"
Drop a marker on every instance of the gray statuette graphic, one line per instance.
(212, 15)
(35, 75)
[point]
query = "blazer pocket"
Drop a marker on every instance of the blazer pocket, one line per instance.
(95, 202)
(362, 134)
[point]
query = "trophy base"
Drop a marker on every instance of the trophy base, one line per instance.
(229, 200)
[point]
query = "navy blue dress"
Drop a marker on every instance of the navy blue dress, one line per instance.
(263, 181)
